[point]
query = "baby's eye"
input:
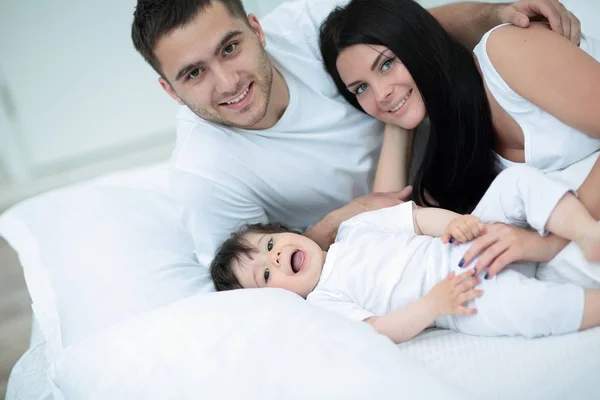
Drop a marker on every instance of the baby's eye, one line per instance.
(360, 89)
(387, 65)
(266, 275)
(270, 245)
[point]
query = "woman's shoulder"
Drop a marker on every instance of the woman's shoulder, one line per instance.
(508, 38)
(516, 58)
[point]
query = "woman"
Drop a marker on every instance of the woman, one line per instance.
(524, 95)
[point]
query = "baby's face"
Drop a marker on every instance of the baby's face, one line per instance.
(281, 260)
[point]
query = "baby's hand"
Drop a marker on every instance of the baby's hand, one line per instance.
(462, 229)
(449, 295)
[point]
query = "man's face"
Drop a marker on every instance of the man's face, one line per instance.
(217, 66)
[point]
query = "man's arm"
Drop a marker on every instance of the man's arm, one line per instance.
(211, 211)
(324, 231)
(469, 21)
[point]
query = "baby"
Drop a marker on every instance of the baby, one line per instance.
(394, 269)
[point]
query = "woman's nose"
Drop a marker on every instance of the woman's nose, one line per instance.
(383, 95)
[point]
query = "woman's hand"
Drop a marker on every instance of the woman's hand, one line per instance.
(503, 244)
(561, 20)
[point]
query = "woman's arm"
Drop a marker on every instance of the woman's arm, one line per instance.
(550, 72)
(394, 160)
(589, 192)
(468, 21)
(558, 77)
(502, 245)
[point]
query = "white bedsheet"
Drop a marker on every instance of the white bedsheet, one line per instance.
(560, 367)
(28, 377)
(566, 367)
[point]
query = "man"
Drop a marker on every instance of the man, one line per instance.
(262, 134)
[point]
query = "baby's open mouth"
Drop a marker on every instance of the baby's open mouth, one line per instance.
(297, 261)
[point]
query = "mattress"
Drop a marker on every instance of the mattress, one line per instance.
(559, 367)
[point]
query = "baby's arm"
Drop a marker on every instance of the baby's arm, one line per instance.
(447, 297)
(432, 221)
(448, 225)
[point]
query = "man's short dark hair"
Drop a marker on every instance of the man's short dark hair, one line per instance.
(152, 19)
(233, 249)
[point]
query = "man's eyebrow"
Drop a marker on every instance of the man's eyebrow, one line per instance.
(184, 71)
(373, 66)
(226, 38)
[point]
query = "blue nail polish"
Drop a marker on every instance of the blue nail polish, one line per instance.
(487, 276)
(461, 262)
(451, 239)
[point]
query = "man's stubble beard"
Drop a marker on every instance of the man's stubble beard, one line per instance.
(264, 81)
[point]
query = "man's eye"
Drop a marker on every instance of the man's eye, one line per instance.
(270, 245)
(230, 48)
(194, 73)
(387, 65)
(360, 89)
(266, 275)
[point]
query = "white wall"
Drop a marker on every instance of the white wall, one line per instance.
(76, 83)
(76, 99)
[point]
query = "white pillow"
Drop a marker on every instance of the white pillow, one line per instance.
(98, 252)
(250, 344)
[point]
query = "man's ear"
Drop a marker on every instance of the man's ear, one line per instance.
(255, 25)
(167, 87)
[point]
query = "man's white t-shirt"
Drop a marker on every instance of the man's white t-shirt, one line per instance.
(379, 264)
(321, 154)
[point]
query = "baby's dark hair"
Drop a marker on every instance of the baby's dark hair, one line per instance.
(233, 249)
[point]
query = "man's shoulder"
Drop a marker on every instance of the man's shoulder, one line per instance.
(301, 16)
(201, 146)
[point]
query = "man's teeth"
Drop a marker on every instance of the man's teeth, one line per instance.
(402, 102)
(240, 97)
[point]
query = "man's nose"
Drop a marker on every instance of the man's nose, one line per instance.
(226, 81)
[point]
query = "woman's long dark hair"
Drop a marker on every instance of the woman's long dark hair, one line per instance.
(459, 163)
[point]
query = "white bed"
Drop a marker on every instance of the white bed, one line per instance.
(84, 359)
(83, 338)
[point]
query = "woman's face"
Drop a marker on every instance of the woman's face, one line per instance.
(382, 85)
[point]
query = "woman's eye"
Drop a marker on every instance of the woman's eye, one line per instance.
(266, 275)
(387, 65)
(270, 245)
(360, 89)
(230, 48)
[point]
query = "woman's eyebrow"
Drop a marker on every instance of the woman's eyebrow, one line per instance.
(380, 55)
